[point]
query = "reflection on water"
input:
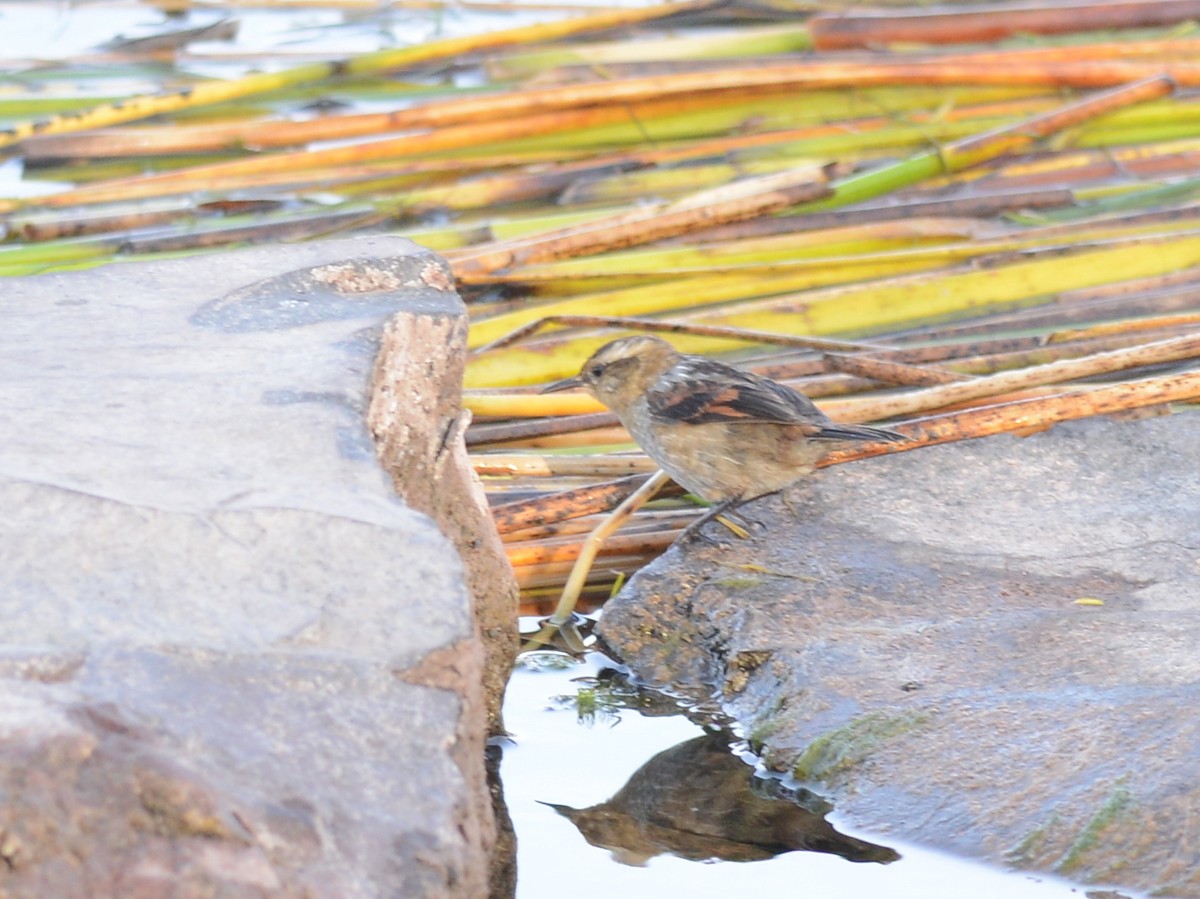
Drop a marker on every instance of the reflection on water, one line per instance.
(697, 800)
(587, 781)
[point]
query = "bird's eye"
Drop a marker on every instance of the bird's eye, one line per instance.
(596, 371)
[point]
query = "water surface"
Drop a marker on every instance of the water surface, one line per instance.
(554, 757)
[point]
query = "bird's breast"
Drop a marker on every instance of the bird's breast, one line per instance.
(719, 461)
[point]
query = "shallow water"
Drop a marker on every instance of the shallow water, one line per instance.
(554, 757)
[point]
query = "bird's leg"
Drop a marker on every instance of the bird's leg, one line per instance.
(719, 511)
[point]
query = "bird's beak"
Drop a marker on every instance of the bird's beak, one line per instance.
(564, 384)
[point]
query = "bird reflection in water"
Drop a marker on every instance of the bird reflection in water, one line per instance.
(699, 801)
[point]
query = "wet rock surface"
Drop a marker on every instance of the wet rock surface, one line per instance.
(232, 661)
(991, 647)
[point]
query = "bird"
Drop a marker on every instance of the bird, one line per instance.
(725, 435)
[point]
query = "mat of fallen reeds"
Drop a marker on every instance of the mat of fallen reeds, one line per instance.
(961, 220)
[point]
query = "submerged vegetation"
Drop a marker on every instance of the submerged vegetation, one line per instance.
(847, 747)
(969, 220)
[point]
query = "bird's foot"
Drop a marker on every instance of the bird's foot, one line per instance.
(737, 525)
(722, 512)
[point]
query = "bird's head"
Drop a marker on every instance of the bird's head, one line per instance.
(621, 371)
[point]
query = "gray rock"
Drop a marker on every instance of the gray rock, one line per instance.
(232, 662)
(906, 635)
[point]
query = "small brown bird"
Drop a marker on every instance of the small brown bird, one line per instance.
(726, 435)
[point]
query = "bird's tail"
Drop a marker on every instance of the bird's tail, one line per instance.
(858, 432)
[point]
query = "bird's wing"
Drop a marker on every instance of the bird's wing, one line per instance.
(699, 391)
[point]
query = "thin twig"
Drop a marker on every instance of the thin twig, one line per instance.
(587, 554)
(633, 323)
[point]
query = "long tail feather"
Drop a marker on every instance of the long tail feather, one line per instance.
(858, 432)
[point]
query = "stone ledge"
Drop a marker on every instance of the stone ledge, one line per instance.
(235, 661)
